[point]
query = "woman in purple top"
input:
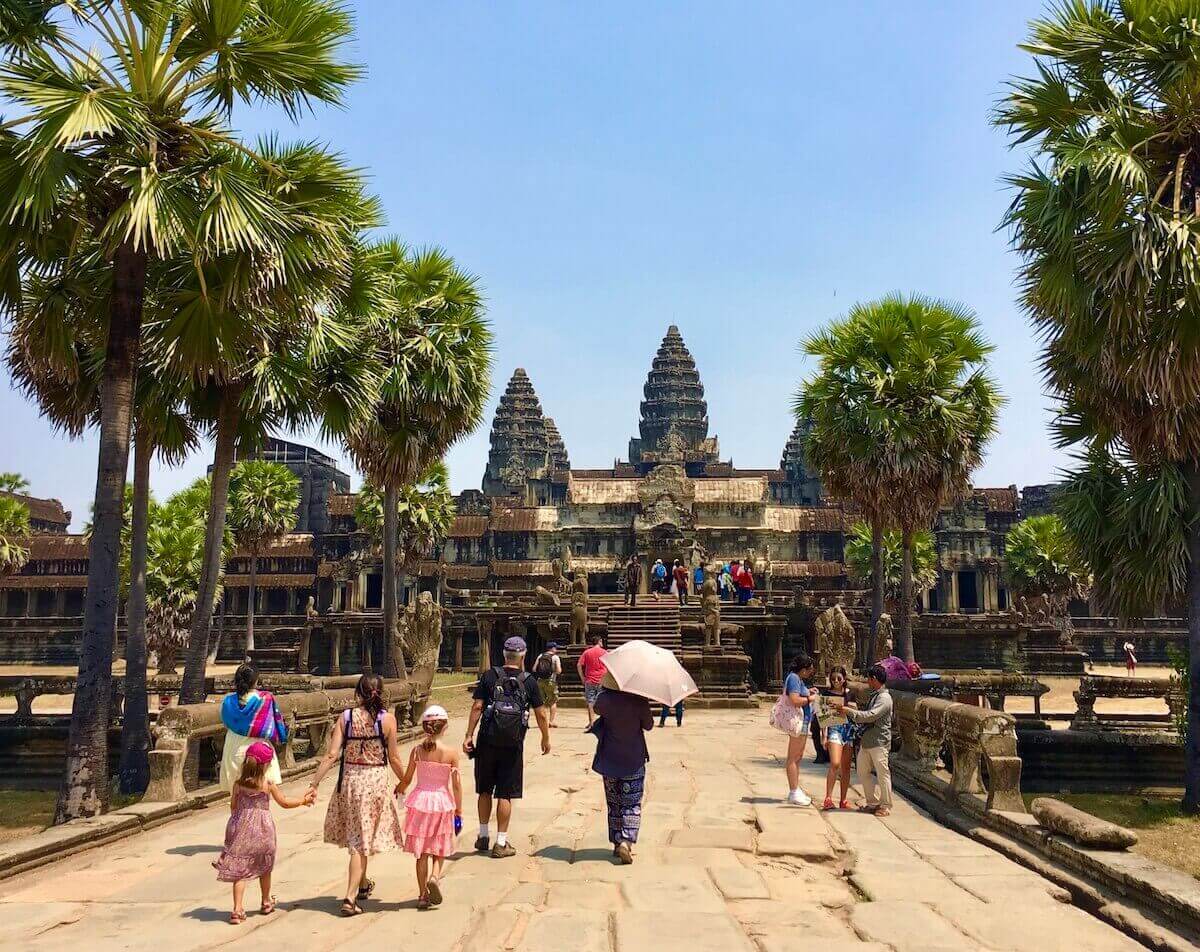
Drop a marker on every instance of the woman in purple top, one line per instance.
(620, 759)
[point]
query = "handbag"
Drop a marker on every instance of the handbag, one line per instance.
(788, 718)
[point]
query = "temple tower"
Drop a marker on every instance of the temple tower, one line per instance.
(674, 424)
(525, 446)
(558, 450)
(802, 484)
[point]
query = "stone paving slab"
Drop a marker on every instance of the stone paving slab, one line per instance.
(703, 878)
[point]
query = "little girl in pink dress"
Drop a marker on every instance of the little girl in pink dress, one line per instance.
(433, 809)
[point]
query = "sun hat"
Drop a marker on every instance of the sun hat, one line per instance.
(515, 643)
(435, 712)
(260, 751)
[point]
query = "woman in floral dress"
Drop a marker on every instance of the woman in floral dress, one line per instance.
(363, 814)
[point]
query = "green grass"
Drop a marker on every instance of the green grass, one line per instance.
(23, 812)
(1164, 833)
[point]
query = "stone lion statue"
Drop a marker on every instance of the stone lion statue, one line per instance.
(835, 640)
(710, 611)
(579, 618)
(884, 638)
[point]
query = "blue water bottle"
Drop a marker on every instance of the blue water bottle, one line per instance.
(457, 825)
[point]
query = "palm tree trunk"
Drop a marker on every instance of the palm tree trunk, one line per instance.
(905, 637)
(1191, 779)
(134, 772)
(84, 790)
(210, 573)
(391, 620)
(250, 604)
(876, 590)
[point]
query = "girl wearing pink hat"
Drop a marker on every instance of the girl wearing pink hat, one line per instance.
(249, 851)
(433, 810)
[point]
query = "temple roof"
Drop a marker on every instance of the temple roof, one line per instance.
(42, 510)
(603, 492)
(731, 489)
(533, 519)
(292, 544)
(793, 452)
(558, 449)
(1002, 499)
(44, 548)
(805, 519)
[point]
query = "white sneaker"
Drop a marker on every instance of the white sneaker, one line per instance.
(798, 798)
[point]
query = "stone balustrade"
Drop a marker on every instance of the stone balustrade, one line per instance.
(181, 731)
(981, 745)
(1093, 686)
(28, 688)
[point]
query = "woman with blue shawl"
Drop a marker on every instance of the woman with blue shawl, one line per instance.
(249, 715)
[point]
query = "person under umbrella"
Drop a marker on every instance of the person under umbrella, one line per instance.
(638, 673)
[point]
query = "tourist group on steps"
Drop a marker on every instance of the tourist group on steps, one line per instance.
(383, 801)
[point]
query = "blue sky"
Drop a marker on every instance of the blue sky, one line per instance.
(744, 170)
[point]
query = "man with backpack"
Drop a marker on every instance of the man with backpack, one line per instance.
(546, 668)
(503, 699)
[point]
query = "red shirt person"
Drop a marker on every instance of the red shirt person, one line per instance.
(591, 670)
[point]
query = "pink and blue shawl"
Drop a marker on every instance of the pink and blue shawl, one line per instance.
(257, 716)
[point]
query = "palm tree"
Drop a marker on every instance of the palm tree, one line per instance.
(285, 353)
(119, 125)
(424, 515)
(14, 535)
(902, 406)
(1042, 562)
(860, 552)
(263, 499)
(435, 348)
(175, 554)
(1105, 220)
(13, 483)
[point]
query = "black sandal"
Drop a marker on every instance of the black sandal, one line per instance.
(350, 908)
(365, 890)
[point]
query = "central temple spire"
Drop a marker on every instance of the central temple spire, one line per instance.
(674, 423)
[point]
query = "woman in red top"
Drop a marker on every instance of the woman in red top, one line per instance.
(681, 581)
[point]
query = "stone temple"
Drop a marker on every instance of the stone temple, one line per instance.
(536, 522)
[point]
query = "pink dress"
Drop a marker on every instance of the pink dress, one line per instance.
(249, 838)
(429, 812)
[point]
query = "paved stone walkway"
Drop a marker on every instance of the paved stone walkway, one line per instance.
(722, 865)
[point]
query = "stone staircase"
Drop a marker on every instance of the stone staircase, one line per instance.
(655, 622)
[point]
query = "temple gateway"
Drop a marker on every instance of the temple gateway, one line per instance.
(539, 537)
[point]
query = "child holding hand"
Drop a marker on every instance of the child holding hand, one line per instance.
(249, 851)
(433, 810)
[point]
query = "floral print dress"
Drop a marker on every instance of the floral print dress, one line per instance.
(364, 814)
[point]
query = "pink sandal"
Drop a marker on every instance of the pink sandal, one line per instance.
(236, 918)
(268, 907)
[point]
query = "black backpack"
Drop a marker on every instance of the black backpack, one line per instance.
(507, 715)
(544, 667)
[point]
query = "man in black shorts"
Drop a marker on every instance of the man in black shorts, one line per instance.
(503, 699)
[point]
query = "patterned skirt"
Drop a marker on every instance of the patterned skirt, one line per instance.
(364, 816)
(624, 797)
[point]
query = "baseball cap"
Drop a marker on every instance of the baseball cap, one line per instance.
(514, 643)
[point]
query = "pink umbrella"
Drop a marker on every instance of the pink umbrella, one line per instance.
(649, 671)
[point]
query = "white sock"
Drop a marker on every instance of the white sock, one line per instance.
(483, 829)
(501, 838)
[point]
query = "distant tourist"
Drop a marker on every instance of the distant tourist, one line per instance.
(666, 712)
(249, 715)
(633, 580)
(744, 581)
(546, 668)
(681, 582)
(363, 814)
(725, 585)
(249, 851)
(591, 670)
(793, 715)
(503, 699)
(697, 580)
(658, 579)
(620, 759)
(839, 742)
(433, 809)
(1130, 659)
(876, 720)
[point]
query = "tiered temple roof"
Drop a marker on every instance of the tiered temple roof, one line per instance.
(674, 423)
(558, 449)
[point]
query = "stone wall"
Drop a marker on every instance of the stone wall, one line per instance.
(1103, 639)
(962, 642)
(1099, 762)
